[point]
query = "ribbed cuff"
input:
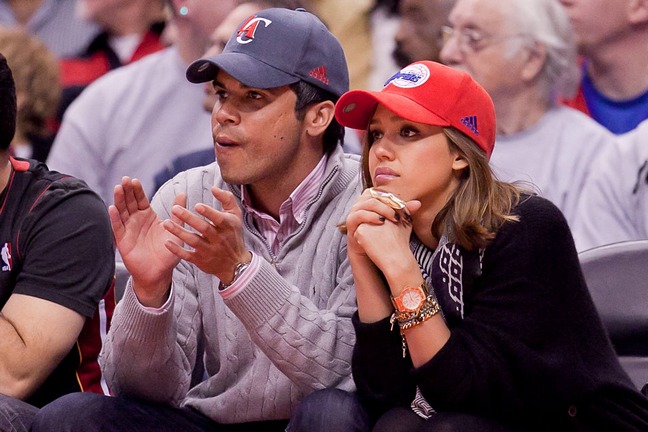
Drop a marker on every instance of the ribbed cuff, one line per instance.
(263, 296)
(139, 322)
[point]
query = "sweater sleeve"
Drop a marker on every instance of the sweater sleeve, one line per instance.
(151, 354)
(304, 326)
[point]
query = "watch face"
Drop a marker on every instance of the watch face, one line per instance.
(412, 298)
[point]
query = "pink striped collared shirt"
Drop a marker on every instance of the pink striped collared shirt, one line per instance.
(291, 215)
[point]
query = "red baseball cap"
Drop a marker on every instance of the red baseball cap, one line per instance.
(430, 93)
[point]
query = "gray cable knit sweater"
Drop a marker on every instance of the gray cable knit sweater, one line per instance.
(286, 334)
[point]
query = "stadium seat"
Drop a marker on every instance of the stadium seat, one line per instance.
(617, 277)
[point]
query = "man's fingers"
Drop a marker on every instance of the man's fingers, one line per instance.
(180, 201)
(140, 195)
(178, 250)
(181, 216)
(116, 222)
(227, 200)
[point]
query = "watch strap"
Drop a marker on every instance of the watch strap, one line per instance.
(238, 271)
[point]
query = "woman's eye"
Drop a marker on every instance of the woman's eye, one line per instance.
(408, 132)
(374, 135)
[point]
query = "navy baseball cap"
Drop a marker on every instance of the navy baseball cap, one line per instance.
(277, 47)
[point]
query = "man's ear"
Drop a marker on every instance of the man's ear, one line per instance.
(318, 117)
(638, 12)
(537, 57)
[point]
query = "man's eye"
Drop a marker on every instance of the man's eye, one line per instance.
(473, 39)
(255, 95)
(221, 94)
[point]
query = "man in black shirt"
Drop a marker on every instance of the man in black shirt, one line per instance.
(56, 264)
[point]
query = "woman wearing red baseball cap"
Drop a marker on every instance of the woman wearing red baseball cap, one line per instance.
(473, 314)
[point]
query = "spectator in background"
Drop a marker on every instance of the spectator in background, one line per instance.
(612, 37)
(57, 261)
(350, 22)
(36, 74)
(136, 119)
(257, 305)
(614, 202)
(523, 53)
(419, 33)
(130, 31)
(385, 20)
(219, 39)
(53, 21)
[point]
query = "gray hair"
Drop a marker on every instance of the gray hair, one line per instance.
(546, 22)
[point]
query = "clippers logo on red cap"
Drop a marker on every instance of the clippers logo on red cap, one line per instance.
(412, 76)
(246, 32)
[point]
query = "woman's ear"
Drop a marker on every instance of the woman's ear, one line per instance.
(459, 163)
(318, 117)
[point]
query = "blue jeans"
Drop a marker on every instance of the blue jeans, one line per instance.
(330, 410)
(91, 412)
(15, 415)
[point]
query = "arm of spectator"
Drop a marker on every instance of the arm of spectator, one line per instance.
(605, 208)
(35, 335)
(144, 330)
(67, 266)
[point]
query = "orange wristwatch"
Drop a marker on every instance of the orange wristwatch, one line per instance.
(410, 299)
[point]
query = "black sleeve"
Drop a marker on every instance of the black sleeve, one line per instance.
(66, 245)
(381, 374)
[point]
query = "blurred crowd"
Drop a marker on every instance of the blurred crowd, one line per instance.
(103, 92)
(568, 114)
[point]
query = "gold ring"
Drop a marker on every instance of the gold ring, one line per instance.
(388, 198)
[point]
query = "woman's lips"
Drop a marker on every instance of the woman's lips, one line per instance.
(383, 175)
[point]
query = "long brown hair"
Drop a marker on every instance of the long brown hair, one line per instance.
(480, 205)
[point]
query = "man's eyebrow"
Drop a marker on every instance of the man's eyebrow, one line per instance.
(217, 83)
(241, 86)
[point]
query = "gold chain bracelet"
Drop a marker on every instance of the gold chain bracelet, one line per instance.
(407, 320)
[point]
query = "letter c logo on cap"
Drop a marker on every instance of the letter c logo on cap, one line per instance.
(246, 32)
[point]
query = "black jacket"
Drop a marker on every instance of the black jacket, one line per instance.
(530, 351)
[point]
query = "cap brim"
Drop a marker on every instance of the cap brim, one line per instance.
(242, 67)
(355, 109)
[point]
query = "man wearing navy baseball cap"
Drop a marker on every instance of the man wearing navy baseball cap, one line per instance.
(241, 293)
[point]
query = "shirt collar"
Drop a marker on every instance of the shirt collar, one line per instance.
(301, 197)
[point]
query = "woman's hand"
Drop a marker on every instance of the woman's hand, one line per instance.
(381, 234)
